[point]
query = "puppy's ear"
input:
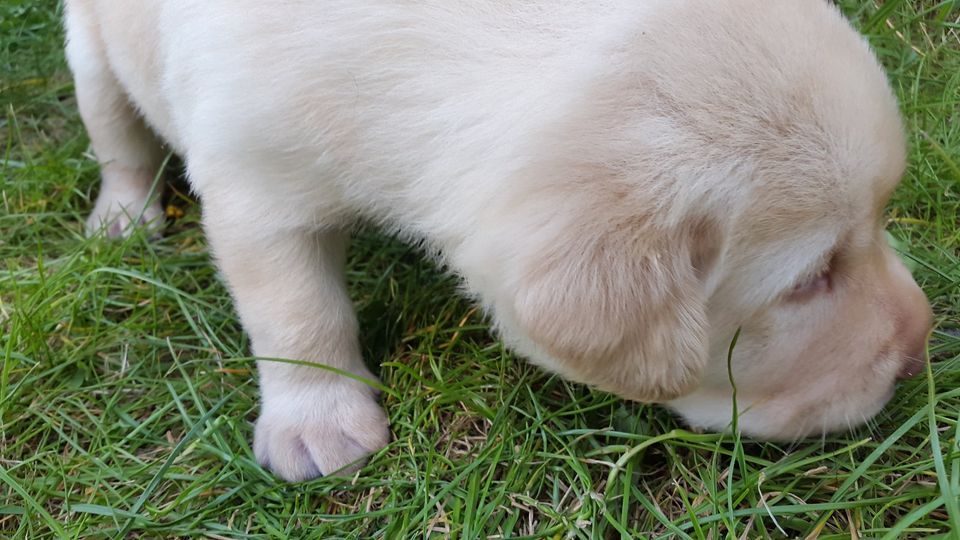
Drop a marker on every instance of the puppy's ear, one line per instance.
(622, 309)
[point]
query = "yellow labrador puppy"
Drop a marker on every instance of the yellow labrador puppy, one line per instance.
(621, 183)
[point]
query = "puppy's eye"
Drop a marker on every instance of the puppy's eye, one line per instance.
(811, 287)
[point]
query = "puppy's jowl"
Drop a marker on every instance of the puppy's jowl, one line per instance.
(622, 184)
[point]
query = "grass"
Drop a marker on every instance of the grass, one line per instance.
(126, 395)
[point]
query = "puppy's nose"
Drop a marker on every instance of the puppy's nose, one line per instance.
(914, 319)
(915, 348)
(914, 362)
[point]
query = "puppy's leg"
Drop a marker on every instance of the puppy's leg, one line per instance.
(127, 150)
(289, 290)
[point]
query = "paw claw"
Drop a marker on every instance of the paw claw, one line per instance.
(115, 229)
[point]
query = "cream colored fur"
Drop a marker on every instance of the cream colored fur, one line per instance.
(621, 183)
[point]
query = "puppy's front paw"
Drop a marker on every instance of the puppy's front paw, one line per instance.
(330, 428)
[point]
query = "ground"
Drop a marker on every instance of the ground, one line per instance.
(126, 393)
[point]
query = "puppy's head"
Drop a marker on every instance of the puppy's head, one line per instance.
(728, 171)
(830, 317)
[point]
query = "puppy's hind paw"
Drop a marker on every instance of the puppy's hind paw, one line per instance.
(116, 221)
(319, 432)
(126, 201)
